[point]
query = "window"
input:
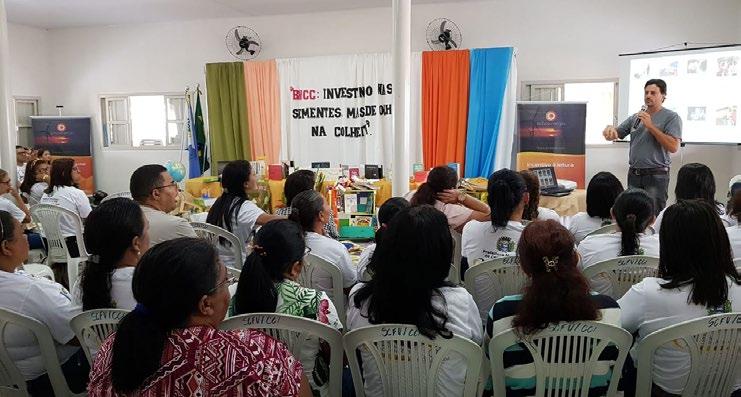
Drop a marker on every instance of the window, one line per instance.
(141, 121)
(600, 96)
(25, 107)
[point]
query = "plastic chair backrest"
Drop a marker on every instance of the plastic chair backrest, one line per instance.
(622, 272)
(92, 327)
(115, 195)
(315, 266)
(409, 363)
(12, 382)
(221, 237)
(489, 281)
(612, 228)
(49, 216)
(564, 354)
(713, 344)
(295, 332)
(454, 275)
(38, 270)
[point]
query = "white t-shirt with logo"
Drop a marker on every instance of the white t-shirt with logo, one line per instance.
(244, 221)
(71, 198)
(121, 293)
(463, 320)
(10, 207)
(484, 241)
(45, 301)
(582, 224)
(601, 247)
(335, 253)
(20, 173)
(647, 307)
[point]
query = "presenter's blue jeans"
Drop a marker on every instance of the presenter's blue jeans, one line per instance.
(657, 187)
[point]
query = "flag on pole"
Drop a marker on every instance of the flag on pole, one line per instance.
(199, 134)
(194, 167)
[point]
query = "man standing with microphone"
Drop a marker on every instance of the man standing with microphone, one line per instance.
(655, 132)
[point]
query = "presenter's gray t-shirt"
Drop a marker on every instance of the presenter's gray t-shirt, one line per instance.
(645, 150)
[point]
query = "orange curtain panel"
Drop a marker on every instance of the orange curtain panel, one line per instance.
(445, 77)
(263, 109)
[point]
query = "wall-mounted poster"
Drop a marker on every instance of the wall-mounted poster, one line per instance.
(551, 134)
(67, 137)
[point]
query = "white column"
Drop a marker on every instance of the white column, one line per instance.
(7, 126)
(401, 59)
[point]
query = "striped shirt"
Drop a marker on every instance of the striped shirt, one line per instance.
(519, 369)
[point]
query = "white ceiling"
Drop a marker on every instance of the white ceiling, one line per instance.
(52, 14)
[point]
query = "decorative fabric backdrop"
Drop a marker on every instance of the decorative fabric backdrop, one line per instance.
(337, 109)
(263, 109)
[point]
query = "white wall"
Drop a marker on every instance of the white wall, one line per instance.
(556, 40)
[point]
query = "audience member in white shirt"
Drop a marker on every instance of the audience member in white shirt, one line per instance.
(36, 182)
(602, 191)
(386, 213)
(695, 181)
(409, 287)
(17, 209)
(44, 301)
(734, 232)
(532, 210)
(633, 211)
(696, 279)
(234, 211)
(310, 210)
(733, 206)
(115, 237)
(458, 207)
(499, 235)
(153, 187)
(63, 192)
(22, 156)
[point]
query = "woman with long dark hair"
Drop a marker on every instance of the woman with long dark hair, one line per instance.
(602, 191)
(386, 213)
(408, 286)
(633, 212)
(234, 211)
(696, 278)
(309, 209)
(507, 197)
(115, 236)
(556, 291)
(268, 284)
(439, 191)
(694, 181)
(533, 211)
(36, 179)
(182, 292)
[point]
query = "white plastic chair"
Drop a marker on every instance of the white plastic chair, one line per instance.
(564, 354)
(295, 332)
(612, 228)
(454, 275)
(713, 346)
(409, 363)
(92, 327)
(489, 281)
(217, 235)
(12, 382)
(622, 272)
(315, 266)
(49, 216)
(39, 270)
(115, 195)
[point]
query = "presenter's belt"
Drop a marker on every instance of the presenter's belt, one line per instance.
(649, 171)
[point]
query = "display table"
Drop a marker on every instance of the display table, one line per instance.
(566, 205)
(276, 191)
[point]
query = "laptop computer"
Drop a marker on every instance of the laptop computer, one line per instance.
(548, 183)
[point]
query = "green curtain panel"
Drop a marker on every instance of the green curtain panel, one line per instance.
(227, 113)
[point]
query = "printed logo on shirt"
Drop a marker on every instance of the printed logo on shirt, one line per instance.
(505, 244)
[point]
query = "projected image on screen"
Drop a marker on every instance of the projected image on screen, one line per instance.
(704, 88)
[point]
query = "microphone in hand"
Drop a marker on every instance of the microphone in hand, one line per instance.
(637, 120)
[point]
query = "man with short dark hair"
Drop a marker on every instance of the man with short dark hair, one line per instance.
(155, 190)
(22, 156)
(657, 134)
